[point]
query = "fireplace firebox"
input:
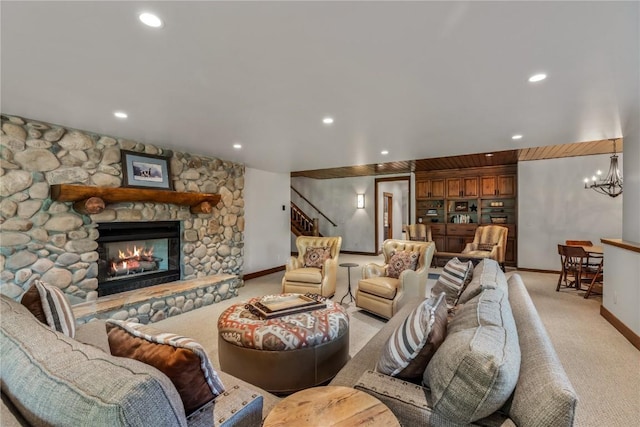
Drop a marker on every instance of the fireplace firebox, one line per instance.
(134, 255)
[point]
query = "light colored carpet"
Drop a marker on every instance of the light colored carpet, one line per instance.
(602, 365)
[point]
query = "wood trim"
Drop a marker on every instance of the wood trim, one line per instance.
(199, 202)
(263, 273)
(538, 270)
(624, 244)
(626, 332)
(359, 253)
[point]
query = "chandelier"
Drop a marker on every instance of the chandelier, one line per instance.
(611, 185)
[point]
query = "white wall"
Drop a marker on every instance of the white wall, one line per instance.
(337, 199)
(267, 226)
(553, 206)
(621, 289)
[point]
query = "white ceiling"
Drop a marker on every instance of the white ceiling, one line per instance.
(420, 79)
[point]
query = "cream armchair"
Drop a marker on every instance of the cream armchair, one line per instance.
(299, 278)
(382, 295)
(420, 232)
(490, 241)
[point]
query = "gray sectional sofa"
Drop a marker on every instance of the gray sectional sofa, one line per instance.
(543, 395)
(48, 378)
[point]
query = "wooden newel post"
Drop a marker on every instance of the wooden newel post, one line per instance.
(92, 205)
(316, 227)
(204, 207)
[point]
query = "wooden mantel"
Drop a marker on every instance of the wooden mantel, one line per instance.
(92, 200)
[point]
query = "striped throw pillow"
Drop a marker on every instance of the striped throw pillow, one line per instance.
(181, 359)
(454, 278)
(411, 346)
(56, 308)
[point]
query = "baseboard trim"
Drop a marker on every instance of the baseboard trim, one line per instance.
(626, 332)
(358, 253)
(537, 270)
(262, 273)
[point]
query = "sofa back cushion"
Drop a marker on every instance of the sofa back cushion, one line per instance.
(55, 380)
(486, 275)
(476, 369)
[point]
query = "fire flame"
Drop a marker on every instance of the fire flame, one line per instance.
(139, 253)
(129, 259)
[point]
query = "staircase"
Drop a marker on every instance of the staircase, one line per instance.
(302, 224)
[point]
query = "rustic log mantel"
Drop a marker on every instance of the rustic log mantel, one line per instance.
(92, 200)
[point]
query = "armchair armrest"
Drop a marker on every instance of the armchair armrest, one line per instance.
(470, 247)
(414, 283)
(373, 270)
(293, 264)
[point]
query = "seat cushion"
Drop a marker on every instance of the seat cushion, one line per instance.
(304, 275)
(385, 287)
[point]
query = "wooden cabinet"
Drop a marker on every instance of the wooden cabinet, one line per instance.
(430, 189)
(455, 202)
(498, 185)
(462, 187)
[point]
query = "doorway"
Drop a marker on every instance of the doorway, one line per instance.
(392, 208)
(387, 216)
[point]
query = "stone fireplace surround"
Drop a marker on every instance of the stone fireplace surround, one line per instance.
(48, 240)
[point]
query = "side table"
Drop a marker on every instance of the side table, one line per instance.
(330, 406)
(348, 265)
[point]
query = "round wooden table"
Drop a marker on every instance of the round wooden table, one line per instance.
(330, 406)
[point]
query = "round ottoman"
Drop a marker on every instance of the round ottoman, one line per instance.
(283, 354)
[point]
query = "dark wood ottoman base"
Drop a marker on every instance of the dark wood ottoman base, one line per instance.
(284, 372)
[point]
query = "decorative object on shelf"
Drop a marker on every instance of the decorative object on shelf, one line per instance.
(461, 206)
(461, 219)
(496, 204)
(611, 185)
(498, 219)
(360, 201)
(473, 208)
(432, 212)
(140, 170)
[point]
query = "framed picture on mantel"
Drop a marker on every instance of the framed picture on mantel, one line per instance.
(140, 170)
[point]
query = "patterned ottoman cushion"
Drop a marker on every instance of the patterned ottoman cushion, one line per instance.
(238, 326)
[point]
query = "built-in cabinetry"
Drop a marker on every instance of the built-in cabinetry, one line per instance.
(454, 202)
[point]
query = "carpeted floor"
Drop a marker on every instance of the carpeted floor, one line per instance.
(602, 365)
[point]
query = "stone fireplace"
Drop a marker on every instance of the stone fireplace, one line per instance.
(133, 255)
(58, 242)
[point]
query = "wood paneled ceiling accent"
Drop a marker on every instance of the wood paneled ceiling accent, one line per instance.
(507, 157)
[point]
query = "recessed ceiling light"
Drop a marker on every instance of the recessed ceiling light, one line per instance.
(327, 120)
(489, 155)
(384, 152)
(517, 136)
(537, 77)
(150, 19)
(237, 146)
(121, 114)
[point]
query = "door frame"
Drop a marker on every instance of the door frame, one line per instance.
(387, 200)
(377, 218)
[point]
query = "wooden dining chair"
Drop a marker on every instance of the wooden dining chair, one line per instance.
(583, 266)
(596, 279)
(571, 261)
(579, 243)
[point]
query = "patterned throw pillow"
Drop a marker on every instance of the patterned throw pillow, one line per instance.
(401, 261)
(316, 256)
(50, 305)
(411, 346)
(181, 359)
(454, 278)
(486, 246)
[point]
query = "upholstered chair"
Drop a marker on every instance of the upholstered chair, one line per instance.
(380, 291)
(314, 269)
(490, 241)
(419, 232)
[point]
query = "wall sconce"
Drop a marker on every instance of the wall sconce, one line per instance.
(360, 201)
